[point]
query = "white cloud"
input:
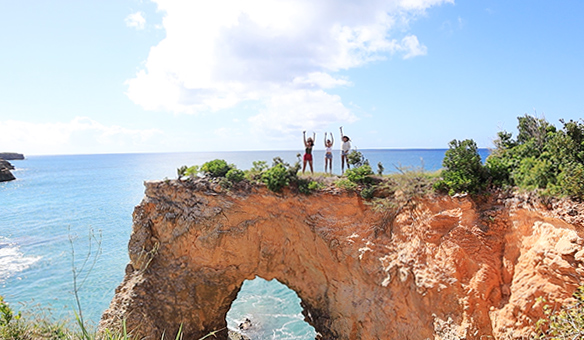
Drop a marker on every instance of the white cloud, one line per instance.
(217, 54)
(288, 112)
(412, 47)
(80, 135)
(136, 20)
(320, 80)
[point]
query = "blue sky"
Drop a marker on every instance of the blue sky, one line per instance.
(166, 76)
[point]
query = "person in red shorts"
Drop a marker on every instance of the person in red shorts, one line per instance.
(309, 144)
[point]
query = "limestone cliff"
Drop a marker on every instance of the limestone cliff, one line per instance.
(449, 268)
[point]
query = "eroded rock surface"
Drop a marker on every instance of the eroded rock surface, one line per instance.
(449, 269)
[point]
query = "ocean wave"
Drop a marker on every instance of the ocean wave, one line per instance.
(12, 260)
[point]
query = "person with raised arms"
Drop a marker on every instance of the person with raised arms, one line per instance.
(328, 152)
(345, 148)
(308, 144)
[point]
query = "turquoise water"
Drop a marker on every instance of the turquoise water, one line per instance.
(57, 200)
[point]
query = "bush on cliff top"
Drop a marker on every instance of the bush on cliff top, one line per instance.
(463, 170)
(217, 168)
(281, 174)
(360, 175)
(542, 158)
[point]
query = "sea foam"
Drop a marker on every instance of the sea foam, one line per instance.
(12, 260)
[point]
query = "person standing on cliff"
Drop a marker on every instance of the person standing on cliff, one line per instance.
(345, 148)
(328, 153)
(308, 144)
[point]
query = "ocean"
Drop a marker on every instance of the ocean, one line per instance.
(75, 211)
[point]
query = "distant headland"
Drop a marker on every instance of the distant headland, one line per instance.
(10, 156)
(6, 166)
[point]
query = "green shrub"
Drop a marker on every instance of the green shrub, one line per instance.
(259, 166)
(361, 174)
(181, 172)
(280, 175)
(192, 171)
(565, 323)
(367, 192)
(571, 180)
(314, 185)
(235, 175)
(306, 186)
(356, 158)
(542, 158)
(255, 173)
(303, 186)
(344, 183)
(533, 173)
(6, 313)
(498, 171)
(276, 177)
(463, 170)
(216, 168)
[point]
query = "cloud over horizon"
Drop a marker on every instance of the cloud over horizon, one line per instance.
(282, 54)
(80, 135)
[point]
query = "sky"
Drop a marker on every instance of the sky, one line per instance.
(125, 76)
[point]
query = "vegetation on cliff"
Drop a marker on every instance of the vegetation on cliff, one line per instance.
(542, 158)
(565, 323)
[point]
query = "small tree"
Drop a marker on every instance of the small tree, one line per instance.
(380, 169)
(216, 168)
(463, 170)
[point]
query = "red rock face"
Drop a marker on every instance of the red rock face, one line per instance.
(449, 268)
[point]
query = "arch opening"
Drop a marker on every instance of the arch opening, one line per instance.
(273, 309)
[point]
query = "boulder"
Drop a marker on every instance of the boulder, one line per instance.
(5, 174)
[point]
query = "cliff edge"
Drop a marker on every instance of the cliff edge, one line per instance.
(447, 268)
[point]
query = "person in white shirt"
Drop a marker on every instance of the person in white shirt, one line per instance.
(345, 148)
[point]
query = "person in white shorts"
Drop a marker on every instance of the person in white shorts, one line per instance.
(328, 153)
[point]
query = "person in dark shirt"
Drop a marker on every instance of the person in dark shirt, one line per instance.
(308, 144)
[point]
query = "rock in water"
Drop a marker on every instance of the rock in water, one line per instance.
(245, 325)
(5, 174)
(6, 164)
(236, 336)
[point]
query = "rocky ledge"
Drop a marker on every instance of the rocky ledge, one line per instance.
(445, 268)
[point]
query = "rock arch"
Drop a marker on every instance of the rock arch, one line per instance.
(193, 245)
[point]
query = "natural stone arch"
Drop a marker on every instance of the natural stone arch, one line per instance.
(440, 274)
(192, 248)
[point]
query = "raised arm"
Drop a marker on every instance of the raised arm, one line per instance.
(324, 140)
(304, 137)
(313, 138)
(332, 139)
(341, 132)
